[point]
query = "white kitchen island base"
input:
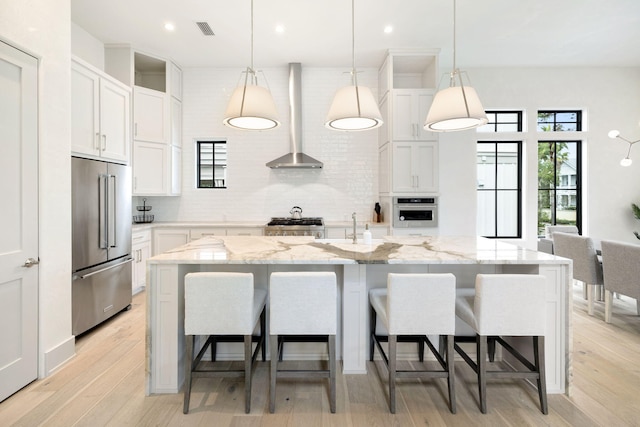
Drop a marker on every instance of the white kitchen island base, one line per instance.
(358, 268)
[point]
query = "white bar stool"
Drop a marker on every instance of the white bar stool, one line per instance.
(506, 305)
(410, 308)
(227, 305)
(303, 306)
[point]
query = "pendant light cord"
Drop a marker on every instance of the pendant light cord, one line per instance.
(454, 36)
(354, 73)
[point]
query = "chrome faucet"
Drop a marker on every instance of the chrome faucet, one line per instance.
(355, 237)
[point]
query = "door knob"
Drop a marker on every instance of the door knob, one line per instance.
(30, 262)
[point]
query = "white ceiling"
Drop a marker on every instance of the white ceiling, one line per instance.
(318, 32)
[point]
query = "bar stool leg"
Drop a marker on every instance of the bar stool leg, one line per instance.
(187, 373)
(451, 371)
(332, 373)
(248, 360)
(482, 371)
(392, 373)
(263, 333)
(273, 350)
(538, 351)
(372, 324)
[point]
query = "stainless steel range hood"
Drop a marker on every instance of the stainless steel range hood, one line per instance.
(296, 158)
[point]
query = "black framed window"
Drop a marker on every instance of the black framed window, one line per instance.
(499, 189)
(502, 121)
(559, 184)
(559, 121)
(211, 164)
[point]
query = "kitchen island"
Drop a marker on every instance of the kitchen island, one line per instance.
(359, 267)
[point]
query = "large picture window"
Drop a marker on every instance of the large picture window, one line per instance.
(559, 184)
(211, 164)
(499, 189)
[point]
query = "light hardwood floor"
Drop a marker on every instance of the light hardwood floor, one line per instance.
(104, 385)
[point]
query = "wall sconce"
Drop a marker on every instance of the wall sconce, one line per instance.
(613, 134)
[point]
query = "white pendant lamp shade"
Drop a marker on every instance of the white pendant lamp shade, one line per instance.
(251, 107)
(455, 108)
(354, 108)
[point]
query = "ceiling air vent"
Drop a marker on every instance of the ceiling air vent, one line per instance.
(205, 28)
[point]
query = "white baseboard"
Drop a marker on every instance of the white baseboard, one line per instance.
(59, 355)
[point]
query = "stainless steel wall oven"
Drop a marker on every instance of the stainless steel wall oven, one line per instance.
(415, 212)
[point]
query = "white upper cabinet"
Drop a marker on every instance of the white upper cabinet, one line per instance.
(410, 109)
(151, 115)
(157, 118)
(100, 126)
(414, 167)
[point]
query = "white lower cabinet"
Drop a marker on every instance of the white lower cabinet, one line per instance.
(140, 251)
(244, 231)
(198, 233)
(165, 239)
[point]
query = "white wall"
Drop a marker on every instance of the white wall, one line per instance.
(87, 46)
(42, 27)
(346, 184)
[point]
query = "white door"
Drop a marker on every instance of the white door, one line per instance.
(18, 220)
(114, 121)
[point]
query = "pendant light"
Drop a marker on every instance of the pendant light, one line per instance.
(353, 107)
(251, 107)
(458, 106)
(627, 160)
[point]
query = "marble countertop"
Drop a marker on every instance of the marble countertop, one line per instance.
(390, 250)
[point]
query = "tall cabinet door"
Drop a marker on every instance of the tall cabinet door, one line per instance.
(150, 115)
(114, 121)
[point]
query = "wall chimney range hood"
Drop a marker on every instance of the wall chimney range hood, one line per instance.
(296, 158)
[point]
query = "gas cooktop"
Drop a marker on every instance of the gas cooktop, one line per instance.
(291, 222)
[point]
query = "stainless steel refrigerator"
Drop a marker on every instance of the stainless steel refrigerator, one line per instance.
(101, 259)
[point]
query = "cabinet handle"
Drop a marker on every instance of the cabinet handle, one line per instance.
(135, 182)
(135, 129)
(104, 142)
(97, 141)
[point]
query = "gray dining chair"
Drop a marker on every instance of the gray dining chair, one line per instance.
(621, 264)
(587, 268)
(545, 244)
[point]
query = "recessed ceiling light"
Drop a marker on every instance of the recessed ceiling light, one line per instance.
(169, 26)
(279, 28)
(388, 29)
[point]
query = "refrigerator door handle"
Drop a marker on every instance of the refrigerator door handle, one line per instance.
(128, 260)
(103, 228)
(111, 210)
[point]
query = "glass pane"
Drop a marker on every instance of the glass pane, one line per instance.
(545, 211)
(566, 207)
(485, 221)
(486, 165)
(545, 117)
(570, 116)
(507, 166)
(508, 117)
(566, 127)
(567, 164)
(507, 127)
(507, 213)
(546, 161)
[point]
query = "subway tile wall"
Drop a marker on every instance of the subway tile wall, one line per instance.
(347, 183)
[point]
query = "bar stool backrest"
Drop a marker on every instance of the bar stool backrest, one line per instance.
(219, 304)
(303, 303)
(421, 304)
(510, 304)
